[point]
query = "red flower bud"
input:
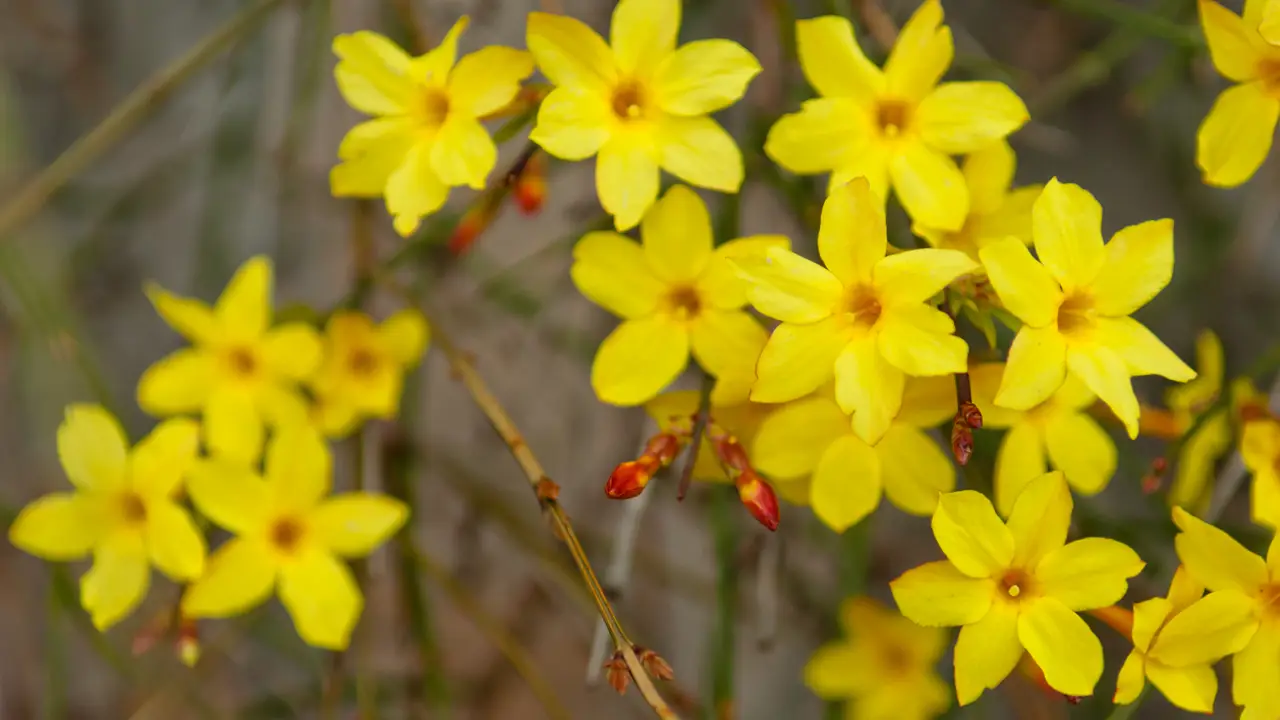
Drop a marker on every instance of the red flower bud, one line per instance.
(188, 642)
(654, 664)
(531, 186)
(730, 451)
(616, 672)
(473, 223)
(758, 498)
(630, 478)
(664, 447)
(970, 415)
(961, 441)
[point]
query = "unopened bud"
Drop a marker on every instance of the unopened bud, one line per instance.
(729, 450)
(654, 664)
(1152, 481)
(664, 447)
(616, 673)
(531, 185)
(758, 498)
(970, 415)
(961, 441)
(473, 223)
(630, 478)
(188, 642)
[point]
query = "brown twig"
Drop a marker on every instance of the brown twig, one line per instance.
(699, 429)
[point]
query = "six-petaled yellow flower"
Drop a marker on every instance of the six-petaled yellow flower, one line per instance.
(864, 317)
(639, 103)
(675, 292)
(289, 536)
(122, 510)
(885, 668)
(426, 136)
(1201, 450)
(363, 369)
(240, 373)
(1058, 430)
(895, 127)
(1075, 303)
(1017, 586)
(1237, 133)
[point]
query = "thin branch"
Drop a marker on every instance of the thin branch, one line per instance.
(699, 429)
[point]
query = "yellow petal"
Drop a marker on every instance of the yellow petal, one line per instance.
(869, 387)
(354, 524)
(820, 138)
(613, 272)
(1148, 618)
(1264, 505)
(180, 382)
(404, 336)
(727, 343)
(797, 360)
(987, 652)
(930, 186)
(1088, 573)
(677, 236)
(971, 535)
(639, 359)
(322, 597)
(1107, 375)
(914, 276)
(1039, 519)
(1191, 688)
(371, 151)
(463, 153)
(1142, 351)
(927, 401)
(1020, 459)
(846, 483)
(414, 190)
(1255, 672)
(869, 159)
(1137, 266)
(936, 593)
(852, 236)
(921, 54)
(192, 318)
(643, 33)
(704, 76)
(700, 152)
(1208, 383)
(572, 125)
(627, 179)
(92, 448)
(281, 405)
(1260, 444)
(1062, 645)
(1131, 680)
(791, 440)
(244, 308)
(961, 117)
(1026, 288)
(1269, 27)
(160, 461)
(1067, 225)
(230, 495)
(1013, 219)
(299, 468)
(1273, 556)
(569, 53)
(117, 582)
(832, 61)
(911, 338)
(1214, 559)
(59, 526)
(173, 541)
(233, 427)
(788, 287)
(1233, 44)
(913, 469)
(985, 380)
(1082, 450)
(372, 73)
(292, 350)
(1183, 589)
(240, 576)
(721, 283)
(988, 172)
(487, 79)
(1236, 134)
(433, 68)
(1211, 628)
(840, 670)
(1036, 368)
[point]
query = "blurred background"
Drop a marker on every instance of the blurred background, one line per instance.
(233, 160)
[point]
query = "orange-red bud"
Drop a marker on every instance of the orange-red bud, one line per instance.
(616, 672)
(970, 415)
(531, 185)
(630, 478)
(188, 643)
(664, 447)
(654, 664)
(961, 441)
(758, 498)
(473, 223)
(729, 450)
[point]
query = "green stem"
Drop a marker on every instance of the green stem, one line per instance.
(1124, 712)
(724, 528)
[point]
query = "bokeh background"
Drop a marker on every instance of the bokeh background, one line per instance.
(233, 161)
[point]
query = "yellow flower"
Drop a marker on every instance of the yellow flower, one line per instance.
(886, 666)
(996, 211)
(810, 443)
(1017, 586)
(122, 510)
(1201, 451)
(675, 294)
(288, 535)
(363, 369)
(674, 410)
(1236, 135)
(1221, 564)
(639, 103)
(1176, 639)
(898, 126)
(1075, 306)
(1260, 448)
(864, 317)
(426, 135)
(240, 373)
(1059, 427)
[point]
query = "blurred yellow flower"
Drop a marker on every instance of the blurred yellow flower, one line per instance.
(886, 667)
(1017, 586)
(1176, 640)
(426, 135)
(122, 510)
(288, 535)
(240, 373)
(1237, 133)
(362, 371)
(894, 127)
(1059, 428)
(1218, 562)
(1201, 451)
(1260, 448)
(675, 292)
(809, 443)
(1076, 305)
(864, 317)
(639, 103)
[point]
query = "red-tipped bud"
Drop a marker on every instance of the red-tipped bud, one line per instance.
(1154, 479)
(472, 224)
(188, 642)
(961, 441)
(654, 664)
(616, 672)
(728, 449)
(970, 415)
(531, 186)
(664, 447)
(630, 478)
(758, 498)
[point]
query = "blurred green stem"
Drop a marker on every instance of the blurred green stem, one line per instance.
(1142, 22)
(724, 528)
(1124, 712)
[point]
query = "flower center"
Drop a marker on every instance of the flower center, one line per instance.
(895, 660)
(1015, 585)
(628, 100)
(684, 303)
(433, 105)
(133, 509)
(863, 305)
(285, 534)
(892, 117)
(1269, 74)
(362, 363)
(241, 362)
(1075, 314)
